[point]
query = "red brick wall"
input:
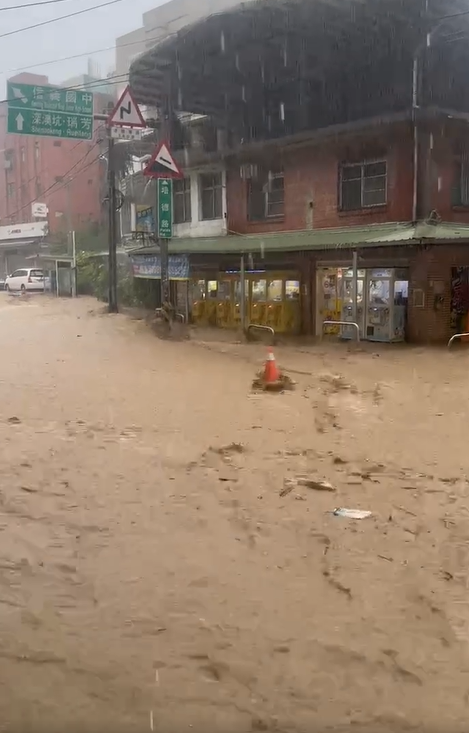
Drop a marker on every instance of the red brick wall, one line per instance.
(447, 138)
(38, 159)
(311, 185)
(431, 272)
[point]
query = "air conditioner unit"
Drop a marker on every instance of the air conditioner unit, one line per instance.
(248, 171)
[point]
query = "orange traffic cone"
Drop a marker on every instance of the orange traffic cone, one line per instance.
(271, 372)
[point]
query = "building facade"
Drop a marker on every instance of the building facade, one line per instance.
(346, 176)
(66, 175)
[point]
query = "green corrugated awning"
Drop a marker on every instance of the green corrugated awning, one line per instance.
(374, 235)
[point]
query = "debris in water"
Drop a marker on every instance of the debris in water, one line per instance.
(351, 513)
(230, 448)
(316, 484)
(14, 420)
(288, 485)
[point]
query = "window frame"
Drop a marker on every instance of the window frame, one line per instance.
(363, 164)
(267, 176)
(214, 188)
(10, 189)
(186, 209)
(462, 191)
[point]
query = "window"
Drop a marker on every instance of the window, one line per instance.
(24, 191)
(259, 291)
(363, 185)
(211, 196)
(10, 190)
(266, 195)
(460, 190)
(274, 290)
(182, 200)
(23, 154)
(37, 150)
(38, 188)
(57, 143)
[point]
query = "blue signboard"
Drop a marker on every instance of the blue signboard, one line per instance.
(144, 219)
(149, 266)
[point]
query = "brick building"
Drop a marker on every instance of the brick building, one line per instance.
(331, 153)
(67, 175)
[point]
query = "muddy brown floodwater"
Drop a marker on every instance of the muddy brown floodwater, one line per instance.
(162, 566)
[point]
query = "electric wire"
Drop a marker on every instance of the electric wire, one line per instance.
(56, 20)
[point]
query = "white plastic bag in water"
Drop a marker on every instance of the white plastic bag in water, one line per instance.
(351, 513)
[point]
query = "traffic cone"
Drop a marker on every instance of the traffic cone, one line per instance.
(271, 372)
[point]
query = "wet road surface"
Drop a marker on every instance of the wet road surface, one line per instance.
(163, 566)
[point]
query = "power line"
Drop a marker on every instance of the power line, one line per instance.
(43, 171)
(62, 17)
(87, 53)
(33, 5)
(63, 183)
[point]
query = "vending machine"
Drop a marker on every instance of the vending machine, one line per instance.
(387, 292)
(347, 303)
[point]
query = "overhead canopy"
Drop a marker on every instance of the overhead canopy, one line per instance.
(374, 235)
(269, 68)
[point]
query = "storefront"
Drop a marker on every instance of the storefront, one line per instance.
(272, 299)
(381, 302)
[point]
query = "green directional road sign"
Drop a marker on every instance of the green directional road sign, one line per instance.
(165, 208)
(48, 111)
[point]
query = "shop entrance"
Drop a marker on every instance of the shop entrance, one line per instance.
(272, 299)
(382, 298)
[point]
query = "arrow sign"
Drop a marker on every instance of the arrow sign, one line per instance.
(19, 122)
(162, 164)
(18, 94)
(126, 112)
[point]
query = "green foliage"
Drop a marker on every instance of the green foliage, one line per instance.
(92, 279)
(92, 238)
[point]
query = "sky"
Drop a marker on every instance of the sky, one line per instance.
(84, 34)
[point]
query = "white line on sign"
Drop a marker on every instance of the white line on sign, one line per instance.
(18, 94)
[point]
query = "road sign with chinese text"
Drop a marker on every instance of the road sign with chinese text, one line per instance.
(48, 111)
(165, 208)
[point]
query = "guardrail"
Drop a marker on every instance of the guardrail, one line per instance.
(252, 326)
(456, 336)
(341, 323)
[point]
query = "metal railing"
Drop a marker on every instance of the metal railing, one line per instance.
(161, 313)
(252, 326)
(341, 323)
(456, 336)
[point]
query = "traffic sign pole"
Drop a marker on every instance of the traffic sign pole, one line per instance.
(112, 229)
(165, 232)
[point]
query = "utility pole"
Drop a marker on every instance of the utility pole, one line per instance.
(69, 214)
(112, 239)
(165, 134)
(112, 229)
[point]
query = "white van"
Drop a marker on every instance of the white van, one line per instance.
(26, 279)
